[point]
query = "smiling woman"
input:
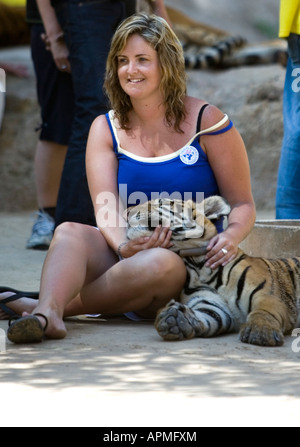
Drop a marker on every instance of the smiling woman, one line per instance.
(154, 140)
(171, 65)
(139, 69)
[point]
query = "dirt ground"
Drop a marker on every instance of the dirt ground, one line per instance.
(118, 373)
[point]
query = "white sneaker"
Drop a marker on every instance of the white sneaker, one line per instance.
(42, 232)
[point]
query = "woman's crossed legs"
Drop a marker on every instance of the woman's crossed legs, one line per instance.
(81, 274)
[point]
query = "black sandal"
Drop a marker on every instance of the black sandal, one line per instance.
(34, 295)
(11, 313)
(27, 329)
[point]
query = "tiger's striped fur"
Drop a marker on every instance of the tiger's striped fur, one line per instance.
(204, 46)
(257, 296)
(207, 47)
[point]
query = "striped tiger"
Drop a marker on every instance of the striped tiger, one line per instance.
(256, 296)
(208, 47)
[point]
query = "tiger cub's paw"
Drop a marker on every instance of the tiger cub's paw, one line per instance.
(261, 335)
(177, 322)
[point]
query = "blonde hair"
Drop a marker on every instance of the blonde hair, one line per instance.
(157, 33)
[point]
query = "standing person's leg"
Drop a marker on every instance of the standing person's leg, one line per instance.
(288, 181)
(49, 162)
(55, 97)
(88, 28)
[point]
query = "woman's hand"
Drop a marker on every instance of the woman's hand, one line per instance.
(161, 237)
(221, 249)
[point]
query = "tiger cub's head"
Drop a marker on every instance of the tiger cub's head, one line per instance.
(190, 222)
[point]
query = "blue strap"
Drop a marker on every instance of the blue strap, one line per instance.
(217, 132)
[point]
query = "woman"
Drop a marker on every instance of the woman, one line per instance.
(140, 148)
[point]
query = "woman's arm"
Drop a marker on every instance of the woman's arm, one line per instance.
(101, 167)
(228, 158)
(102, 172)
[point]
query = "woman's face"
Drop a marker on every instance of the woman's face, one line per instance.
(138, 68)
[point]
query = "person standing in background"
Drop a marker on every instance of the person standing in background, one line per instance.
(56, 100)
(288, 181)
(88, 28)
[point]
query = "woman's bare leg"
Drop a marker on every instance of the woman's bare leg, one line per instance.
(70, 262)
(77, 255)
(81, 275)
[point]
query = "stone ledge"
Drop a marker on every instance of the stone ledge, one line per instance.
(273, 239)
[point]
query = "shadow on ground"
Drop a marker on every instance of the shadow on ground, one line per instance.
(122, 356)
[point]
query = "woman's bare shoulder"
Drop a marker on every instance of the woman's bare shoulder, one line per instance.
(211, 115)
(100, 122)
(100, 132)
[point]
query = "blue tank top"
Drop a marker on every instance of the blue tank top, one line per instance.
(184, 174)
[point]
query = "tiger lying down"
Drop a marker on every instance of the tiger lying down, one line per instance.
(257, 296)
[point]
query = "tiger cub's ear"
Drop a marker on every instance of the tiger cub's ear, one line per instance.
(215, 207)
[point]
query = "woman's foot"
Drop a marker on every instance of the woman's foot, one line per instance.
(33, 328)
(18, 306)
(27, 329)
(14, 304)
(53, 326)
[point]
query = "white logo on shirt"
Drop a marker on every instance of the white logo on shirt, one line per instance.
(189, 155)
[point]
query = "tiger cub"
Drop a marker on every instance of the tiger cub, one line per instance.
(257, 296)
